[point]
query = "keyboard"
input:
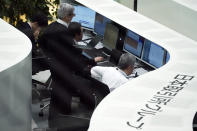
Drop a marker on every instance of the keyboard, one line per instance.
(140, 71)
(98, 52)
(92, 52)
(106, 63)
(83, 47)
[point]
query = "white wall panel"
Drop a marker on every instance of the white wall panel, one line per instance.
(15, 79)
(181, 16)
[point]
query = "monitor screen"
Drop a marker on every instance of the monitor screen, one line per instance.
(110, 36)
(153, 54)
(167, 57)
(133, 44)
(100, 23)
(85, 16)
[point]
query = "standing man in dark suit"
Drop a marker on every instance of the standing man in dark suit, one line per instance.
(66, 62)
(58, 47)
(32, 28)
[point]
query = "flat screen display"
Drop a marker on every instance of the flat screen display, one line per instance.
(85, 16)
(110, 36)
(100, 24)
(133, 44)
(153, 54)
(167, 57)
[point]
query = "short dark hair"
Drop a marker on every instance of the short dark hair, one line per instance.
(74, 28)
(41, 18)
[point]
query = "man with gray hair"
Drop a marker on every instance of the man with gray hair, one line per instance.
(66, 62)
(57, 32)
(114, 77)
(65, 14)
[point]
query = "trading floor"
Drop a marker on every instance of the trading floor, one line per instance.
(160, 93)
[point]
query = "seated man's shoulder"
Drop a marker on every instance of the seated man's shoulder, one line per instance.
(103, 68)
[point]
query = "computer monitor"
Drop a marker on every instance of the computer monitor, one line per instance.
(110, 36)
(153, 54)
(85, 16)
(167, 57)
(100, 24)
(133, 44)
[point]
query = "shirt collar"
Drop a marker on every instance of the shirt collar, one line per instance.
(62, 22)
(29, 24)
(76, 43)
(122, 72)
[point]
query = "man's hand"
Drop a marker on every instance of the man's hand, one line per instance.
(98, 59)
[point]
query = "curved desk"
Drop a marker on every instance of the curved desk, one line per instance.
(162, 100)
(15, 79)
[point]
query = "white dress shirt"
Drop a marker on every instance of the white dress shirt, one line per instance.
(62, 22)
(111, 76)
(29, 24)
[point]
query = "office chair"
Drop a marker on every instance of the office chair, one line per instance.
(41, 83)
(80, 118)
(115, 56)
(41, 77)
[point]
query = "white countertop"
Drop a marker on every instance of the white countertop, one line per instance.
(14, 46)
(145, 103)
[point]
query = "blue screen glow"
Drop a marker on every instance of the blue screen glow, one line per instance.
(167, 57)
(100, 24)
(153, 54)
(133, 44)
(85, 16)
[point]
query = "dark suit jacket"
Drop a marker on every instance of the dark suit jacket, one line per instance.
(67, 67)
(26, 29)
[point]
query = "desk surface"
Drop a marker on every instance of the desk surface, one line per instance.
(161, 100)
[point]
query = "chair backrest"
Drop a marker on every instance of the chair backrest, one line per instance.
(115, 56)
(100, 90)
(39, 64)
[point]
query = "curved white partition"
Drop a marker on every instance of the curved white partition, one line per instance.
(15, 79)
(179, 15)
(162, 100)
(191, 4)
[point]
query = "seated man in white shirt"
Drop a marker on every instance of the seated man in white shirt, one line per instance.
(114, 77)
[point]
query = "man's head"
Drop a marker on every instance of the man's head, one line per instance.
(65, 12)
(38, 21)
(126, 63)
(75, 30)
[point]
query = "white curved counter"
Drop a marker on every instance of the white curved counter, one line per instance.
(15, 79)
(162, 100)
